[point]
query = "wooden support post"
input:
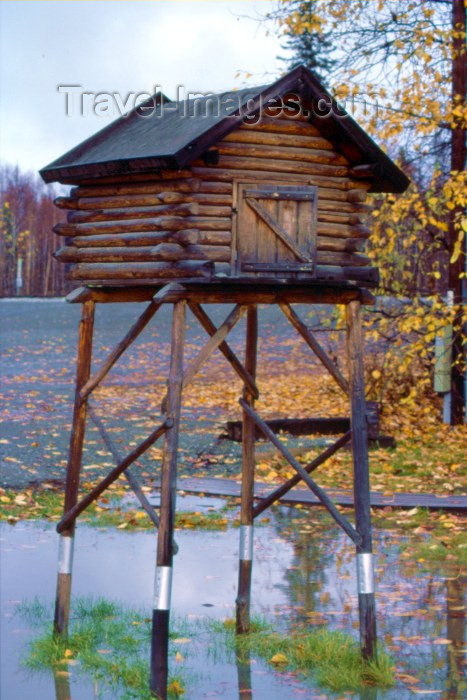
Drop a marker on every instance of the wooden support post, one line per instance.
(366, 593)
(165, 544)
(66, 542)
(62, 682)
(248, 481)
(243, 663)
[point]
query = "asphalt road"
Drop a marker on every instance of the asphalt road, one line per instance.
(38, 356)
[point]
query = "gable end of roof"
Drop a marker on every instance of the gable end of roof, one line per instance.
(170, 140)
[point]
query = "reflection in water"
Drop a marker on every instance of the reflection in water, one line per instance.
(243, 661)
(305, 575)
(455, 632)
(368, 693)
(418, 612)
(62, 683)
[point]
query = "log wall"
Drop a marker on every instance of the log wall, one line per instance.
(179, 224)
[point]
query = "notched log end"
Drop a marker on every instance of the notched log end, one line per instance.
(65, 203)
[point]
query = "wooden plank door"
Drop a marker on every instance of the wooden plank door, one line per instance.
(276, 230)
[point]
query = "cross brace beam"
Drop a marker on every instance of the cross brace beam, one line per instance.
(213, 343)
(118, 350)
(225, 349)
(132, 480)
(278, 493)
(125, 343)
(112, 476)
(340, 519)
(311, 341)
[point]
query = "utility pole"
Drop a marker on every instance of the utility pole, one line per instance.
(458, 163)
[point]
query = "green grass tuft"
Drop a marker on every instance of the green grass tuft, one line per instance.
(106, 642)
(109, 644)
(257, 624)
(331, 658)
(35, 612)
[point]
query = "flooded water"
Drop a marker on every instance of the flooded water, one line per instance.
(303, 572)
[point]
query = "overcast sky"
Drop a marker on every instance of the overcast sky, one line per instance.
(113, 46)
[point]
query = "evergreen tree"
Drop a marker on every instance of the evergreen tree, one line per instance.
(310, 47)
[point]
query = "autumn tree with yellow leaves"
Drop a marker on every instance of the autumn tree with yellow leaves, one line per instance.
(399, 66)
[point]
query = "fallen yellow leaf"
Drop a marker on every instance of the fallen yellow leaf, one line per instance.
(175, 688)
(425, 691)
(407, 678)
(278, 659)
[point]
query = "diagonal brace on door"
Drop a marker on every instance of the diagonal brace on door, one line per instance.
(340, 519)
(213, 343)
(277, 229)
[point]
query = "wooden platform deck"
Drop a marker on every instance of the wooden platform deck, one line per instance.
(216, 486)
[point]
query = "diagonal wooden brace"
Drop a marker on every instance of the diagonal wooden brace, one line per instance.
(212, 345)
(340, 519)
(225, 349)
(290, 483)
(128, 475)
(279, 230)
(320, 353)
(125, 343)
(112, 476)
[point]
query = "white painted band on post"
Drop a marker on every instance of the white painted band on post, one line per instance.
(246, 542)
(163, 588)
(365, 579)
(65, 554)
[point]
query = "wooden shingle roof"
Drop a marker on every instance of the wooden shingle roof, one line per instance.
(175, 133)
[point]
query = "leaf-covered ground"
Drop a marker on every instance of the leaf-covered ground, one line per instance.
(39, 347)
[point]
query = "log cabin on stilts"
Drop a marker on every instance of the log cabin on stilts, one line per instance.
(251, 197)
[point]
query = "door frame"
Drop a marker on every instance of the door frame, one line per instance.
(273, 182)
